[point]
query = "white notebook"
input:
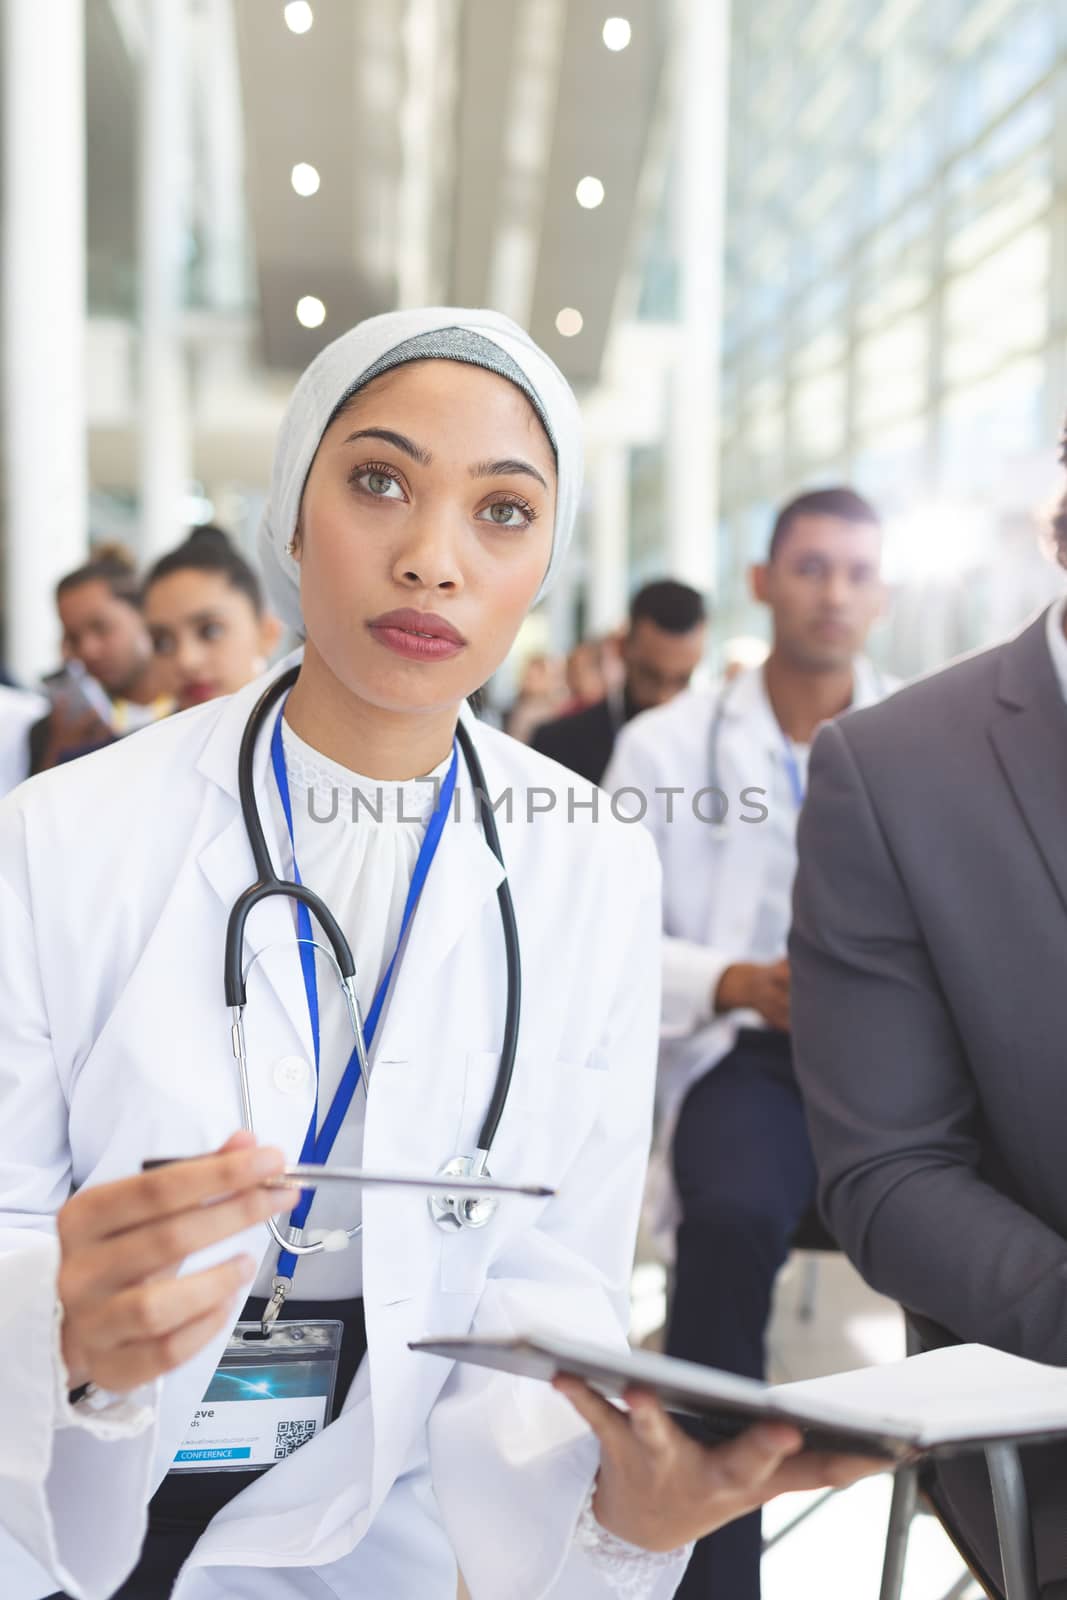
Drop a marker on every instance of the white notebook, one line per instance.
(943, 1402)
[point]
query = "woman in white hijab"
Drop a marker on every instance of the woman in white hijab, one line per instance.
(423, 494)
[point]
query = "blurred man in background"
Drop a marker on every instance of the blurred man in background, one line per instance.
(111, 685)
(736, 758)
(661, 649)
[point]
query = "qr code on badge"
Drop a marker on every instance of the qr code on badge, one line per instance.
(291, 1435)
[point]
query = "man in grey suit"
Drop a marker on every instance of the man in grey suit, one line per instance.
(929, 958)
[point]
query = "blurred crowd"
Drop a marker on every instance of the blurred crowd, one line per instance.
(136, 647)
(571, 708)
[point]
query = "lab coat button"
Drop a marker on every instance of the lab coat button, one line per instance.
(291, 1073)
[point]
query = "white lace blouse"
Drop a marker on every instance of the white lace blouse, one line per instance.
(357, 841)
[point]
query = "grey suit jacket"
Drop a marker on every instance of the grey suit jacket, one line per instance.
(929, 955)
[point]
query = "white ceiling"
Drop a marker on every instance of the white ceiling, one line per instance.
(450, 136)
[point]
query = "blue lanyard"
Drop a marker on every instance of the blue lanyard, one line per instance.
(319, 1142)
(792, 767)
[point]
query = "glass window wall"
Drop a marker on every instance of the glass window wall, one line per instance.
(896, 294)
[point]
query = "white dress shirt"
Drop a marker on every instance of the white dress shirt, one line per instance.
(774, 913)
(357, 841)
(1057, 641)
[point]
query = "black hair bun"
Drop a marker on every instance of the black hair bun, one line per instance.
(206, 536)
(111, 556)
(207, 548)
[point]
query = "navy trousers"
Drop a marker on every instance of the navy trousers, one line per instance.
(746, 1179)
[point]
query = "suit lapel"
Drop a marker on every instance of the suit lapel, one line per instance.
(1028, 731)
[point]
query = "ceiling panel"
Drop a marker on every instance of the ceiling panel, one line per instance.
(605, 108)
(311, 97)
(503, 216)
(487, 30)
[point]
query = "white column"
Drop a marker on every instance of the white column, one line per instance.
(427, 119)
(560, 604)
(692, 439)
(215, 79)
(165, 445)
(609, 541)
(46, 474)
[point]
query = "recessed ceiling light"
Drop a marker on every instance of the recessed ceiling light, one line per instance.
(589, 193)
(617, 33)
(305, 178)
(569, 322)
(310, 311)
(298, 16)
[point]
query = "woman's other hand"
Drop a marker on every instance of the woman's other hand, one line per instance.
(660, 1489)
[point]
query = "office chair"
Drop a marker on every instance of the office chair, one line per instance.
(913, 1489)
(1010, 1505)
(811, 1238)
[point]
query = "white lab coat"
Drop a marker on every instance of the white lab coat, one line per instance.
(116, 876)
(713, 876)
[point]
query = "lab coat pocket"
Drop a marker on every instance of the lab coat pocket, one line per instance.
(551, 1106)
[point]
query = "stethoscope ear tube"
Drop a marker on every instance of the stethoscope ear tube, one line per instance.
(511, 1019)
(510, 1042)
(235, 931)
(246, 777)
(268, 882)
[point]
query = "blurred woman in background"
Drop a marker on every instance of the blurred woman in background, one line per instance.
(209, 628)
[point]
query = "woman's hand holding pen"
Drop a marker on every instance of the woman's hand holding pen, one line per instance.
(127, 1316)
(660, 1489)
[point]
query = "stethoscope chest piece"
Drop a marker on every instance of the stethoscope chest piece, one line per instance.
(452, 1212)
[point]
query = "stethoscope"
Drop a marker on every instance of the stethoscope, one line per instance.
(722, 704)
(448, 1211)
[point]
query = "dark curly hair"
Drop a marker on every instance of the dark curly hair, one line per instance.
(109, 563)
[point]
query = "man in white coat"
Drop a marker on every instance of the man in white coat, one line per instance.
(719, 775)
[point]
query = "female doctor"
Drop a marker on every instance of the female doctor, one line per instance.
(423, 490)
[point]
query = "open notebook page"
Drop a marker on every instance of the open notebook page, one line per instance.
(961, 1396)
(964, 1392)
